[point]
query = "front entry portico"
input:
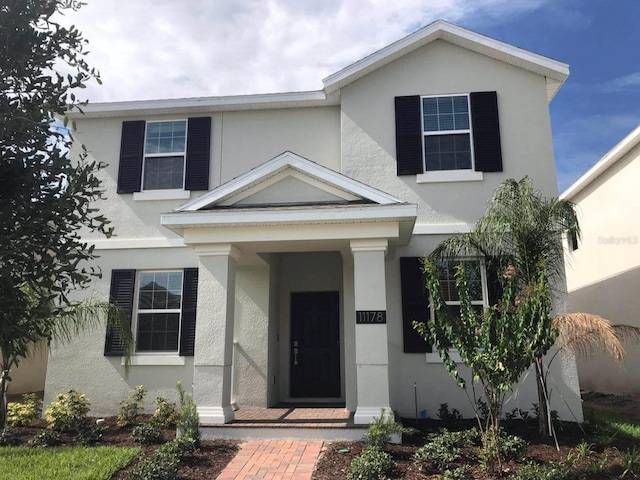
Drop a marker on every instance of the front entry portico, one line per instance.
(237, 230)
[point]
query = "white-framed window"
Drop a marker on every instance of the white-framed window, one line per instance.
(446, 127)
(158, 311)
(476, 275)
(164, 155)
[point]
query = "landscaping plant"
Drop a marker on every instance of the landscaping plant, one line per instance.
(166, 413)
(25, 412)
(189, 423)
(130, 408)
(520, 322)
(382, 428)
(371, 464)
(69, 412)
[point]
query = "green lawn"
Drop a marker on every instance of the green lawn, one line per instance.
(615, 422)
(74, 463)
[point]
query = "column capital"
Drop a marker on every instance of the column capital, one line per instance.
(370, 245)
(218, 250)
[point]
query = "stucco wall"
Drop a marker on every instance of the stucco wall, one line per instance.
(435, 385)
(603, 275)
(368, 128)
(239, 141)
(82, 365)
(29, 375)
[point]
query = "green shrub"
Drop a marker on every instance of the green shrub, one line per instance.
(443, 448)
(550, 471)
(147, 434)
(90, 436)
(445, 415)
(46, 438)
(131, 407)
(24, 413)
(380, 430)
(512, 447)
(68, 413)
(164, 462)
(459, 473)
(189, 422)
(371, 464)
(166, 413)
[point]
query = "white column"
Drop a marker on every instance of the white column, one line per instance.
(372, 355)
(214, 332)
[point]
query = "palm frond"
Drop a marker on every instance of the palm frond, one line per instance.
(584, 334)
(627, 333)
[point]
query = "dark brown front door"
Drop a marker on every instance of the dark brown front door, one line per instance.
(315, 345)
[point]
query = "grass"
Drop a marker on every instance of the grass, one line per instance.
(615, 422)
(76, 463)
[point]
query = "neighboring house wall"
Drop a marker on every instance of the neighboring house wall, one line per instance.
(603, 274)
(30, 375)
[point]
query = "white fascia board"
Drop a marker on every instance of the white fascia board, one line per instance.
(209, 104)
(225, 218)
(278, 164)
(602, 165)
(440, 29)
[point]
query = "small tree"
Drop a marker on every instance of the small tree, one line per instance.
(45, 197)
(498, 345)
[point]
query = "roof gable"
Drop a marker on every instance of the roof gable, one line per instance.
(554, 71)
(286, 180)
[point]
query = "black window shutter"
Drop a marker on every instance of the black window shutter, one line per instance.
(121, 294)
(189, 304)
(131, 152)
(409, 135)
(415, 304)
(486, 132)
(198, 153)
(494, 280)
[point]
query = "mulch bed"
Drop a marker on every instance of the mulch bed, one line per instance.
(204, 464)
(334, 462)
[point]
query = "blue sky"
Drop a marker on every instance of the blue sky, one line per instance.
(151, 49)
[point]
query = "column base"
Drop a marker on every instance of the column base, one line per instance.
(215, 415)
(365, 415)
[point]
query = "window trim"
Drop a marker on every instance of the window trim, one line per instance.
(425, 176)
(154, 354)
(161, 155)
(434, 355)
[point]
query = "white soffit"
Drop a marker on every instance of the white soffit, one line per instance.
(554, 71)
(288, 164)
(616, 153)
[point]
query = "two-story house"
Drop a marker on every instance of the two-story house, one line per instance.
(267, 245)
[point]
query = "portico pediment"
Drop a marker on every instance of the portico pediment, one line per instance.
(288, 180)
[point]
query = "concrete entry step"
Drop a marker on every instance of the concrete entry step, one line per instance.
(303, 422)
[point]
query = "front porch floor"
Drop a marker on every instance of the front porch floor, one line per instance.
(300, 421)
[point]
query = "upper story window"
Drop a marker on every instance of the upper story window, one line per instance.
(475, 275)
(447, 133)
(164, 155)
(448, 137)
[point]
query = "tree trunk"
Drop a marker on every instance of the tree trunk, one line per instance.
(4, 386)
(543, 411)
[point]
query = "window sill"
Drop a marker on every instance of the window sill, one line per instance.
(161, 195)
(435, 357)
(155, 360)
(449, 176)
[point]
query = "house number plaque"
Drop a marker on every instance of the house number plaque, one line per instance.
(371, 317)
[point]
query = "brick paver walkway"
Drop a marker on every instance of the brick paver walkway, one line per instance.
(273, 460)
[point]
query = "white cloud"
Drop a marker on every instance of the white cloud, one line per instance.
(630, 81)
(169, 49)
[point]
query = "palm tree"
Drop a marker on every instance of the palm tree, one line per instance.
(523, 229)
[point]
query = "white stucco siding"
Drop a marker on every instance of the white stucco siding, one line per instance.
(603, 275)
(251, 138)
(239, 141)
(368, 128)
(82, 364)
(608, 210)
(435, 385)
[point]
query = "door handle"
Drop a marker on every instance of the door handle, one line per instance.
(295, 355)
